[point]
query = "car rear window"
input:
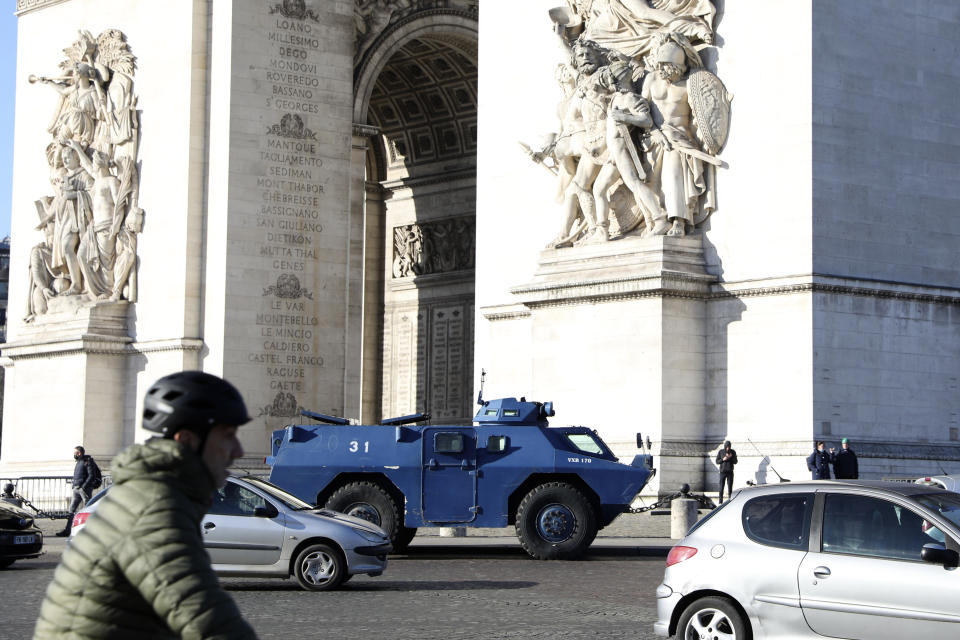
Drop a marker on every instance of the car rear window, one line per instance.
(780, 520)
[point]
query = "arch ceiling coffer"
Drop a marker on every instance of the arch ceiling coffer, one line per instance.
(425, 102)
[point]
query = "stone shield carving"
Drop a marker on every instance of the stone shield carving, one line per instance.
(710, 102)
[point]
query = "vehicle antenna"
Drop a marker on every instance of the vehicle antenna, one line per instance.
(483, 374)
(782, 479)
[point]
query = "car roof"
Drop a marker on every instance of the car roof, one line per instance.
(905, 489)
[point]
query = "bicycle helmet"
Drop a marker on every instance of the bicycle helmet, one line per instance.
(192, 400)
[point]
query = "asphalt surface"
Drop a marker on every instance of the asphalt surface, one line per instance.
(478, 586)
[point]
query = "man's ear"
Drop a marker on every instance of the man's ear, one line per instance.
(188, 438)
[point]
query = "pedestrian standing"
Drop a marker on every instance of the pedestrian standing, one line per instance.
(818, 462)
(845, 465)
(726, 458)
(85, 475)
(139, 568)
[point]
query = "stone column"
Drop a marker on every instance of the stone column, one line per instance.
(626, 317)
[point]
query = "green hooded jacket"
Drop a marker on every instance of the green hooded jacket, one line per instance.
(138, 569)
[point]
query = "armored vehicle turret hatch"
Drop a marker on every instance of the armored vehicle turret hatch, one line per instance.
(557, 485)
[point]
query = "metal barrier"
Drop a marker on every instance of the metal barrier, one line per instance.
(48, 496)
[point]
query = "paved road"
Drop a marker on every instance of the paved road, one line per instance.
(463, 589)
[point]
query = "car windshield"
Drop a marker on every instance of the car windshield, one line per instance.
(585, 442)
(288, 499)
(946, 504)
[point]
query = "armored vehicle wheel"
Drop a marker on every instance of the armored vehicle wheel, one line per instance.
(555, 521)
(404, 538)
(320, 567)
(712, 617)
(372, 503)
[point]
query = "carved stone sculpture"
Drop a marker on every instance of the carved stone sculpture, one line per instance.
(641, 120)
(92, 220)
(433, 247)
(683, 173)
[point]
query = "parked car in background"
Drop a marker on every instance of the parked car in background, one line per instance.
(851, 559)
(254, 528)
(20, 538)
(950, 483)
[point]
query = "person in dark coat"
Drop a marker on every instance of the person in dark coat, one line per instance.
(83, 479)
(845, 465)
(818, 462)
(726, 458)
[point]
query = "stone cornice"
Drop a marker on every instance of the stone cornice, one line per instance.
(432, 279)
(664, 284)
(92, 344)
(26, 6)
(885, 450)
(829, 284)
(678, 284)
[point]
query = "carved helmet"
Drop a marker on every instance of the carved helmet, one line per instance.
(192, 400)
(670, 52)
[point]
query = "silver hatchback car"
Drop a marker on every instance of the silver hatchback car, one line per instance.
(851, 559)
(255, 528)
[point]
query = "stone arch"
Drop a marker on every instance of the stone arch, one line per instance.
(417, 158)
(456, 28)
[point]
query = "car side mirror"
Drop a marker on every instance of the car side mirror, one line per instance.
(268, 511)
(936, 553)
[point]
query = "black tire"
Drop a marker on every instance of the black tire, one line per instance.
(7, 562)
(372, 503)
(320, 567)
(708, 617)
(555, 521)
(404, 538)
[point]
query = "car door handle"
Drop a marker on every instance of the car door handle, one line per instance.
(822, 572)
(207, 526)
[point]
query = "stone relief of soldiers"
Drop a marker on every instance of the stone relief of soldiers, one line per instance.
(433, 247)
(641, 120)
(92, 220)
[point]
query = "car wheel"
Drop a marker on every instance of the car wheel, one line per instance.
(712, 618)
(7, 562)
(555, 521)
(404, 538)
(368, 501)
(320, 567)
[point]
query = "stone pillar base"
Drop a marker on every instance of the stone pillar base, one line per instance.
(626, 320)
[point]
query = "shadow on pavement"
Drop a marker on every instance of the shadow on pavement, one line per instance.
(390, 585)
(493, 551)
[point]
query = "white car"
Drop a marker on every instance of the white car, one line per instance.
(255, 528)
(855, 559)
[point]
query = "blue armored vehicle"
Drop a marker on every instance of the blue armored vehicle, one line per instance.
(558, 485)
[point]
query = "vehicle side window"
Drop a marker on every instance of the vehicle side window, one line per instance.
(448, 443)
(874, 527)
(781, 520)
(234, 500)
